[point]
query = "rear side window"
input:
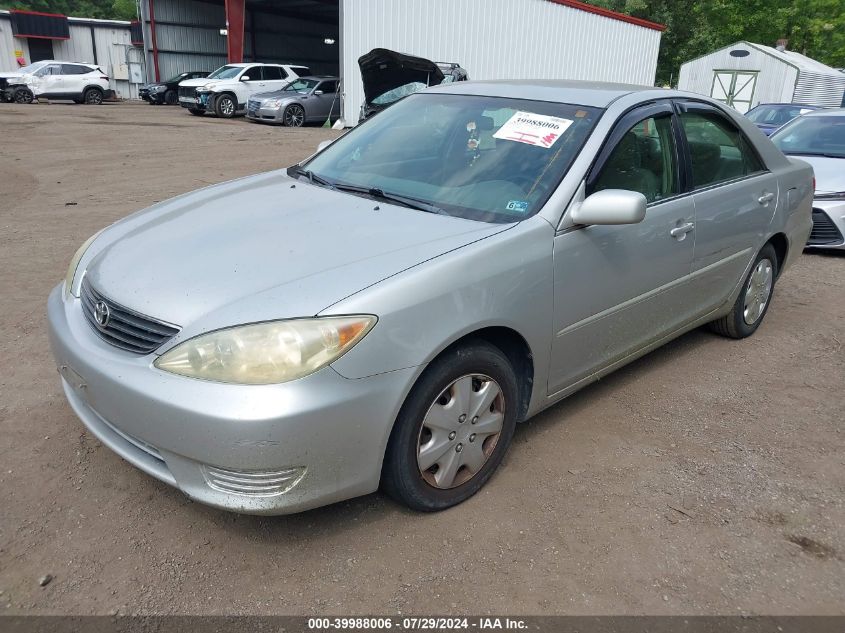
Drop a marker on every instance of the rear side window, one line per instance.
(75, 69)
(718, 151)
(274, 73)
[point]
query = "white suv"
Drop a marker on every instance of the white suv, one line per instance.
(226, 91)
(83, 83)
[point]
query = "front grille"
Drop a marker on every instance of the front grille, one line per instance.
(824, 230)
(253, 483)
(187, 91)
(124, 328)
(252, 106)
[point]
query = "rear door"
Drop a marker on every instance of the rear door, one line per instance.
(74, 78)
(735, 200)
(618, 289)
(275, 78)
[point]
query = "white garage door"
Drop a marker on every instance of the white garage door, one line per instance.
(735, 88)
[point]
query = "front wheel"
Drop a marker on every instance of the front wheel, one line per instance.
(453, 430)
(225, 106)
(753, 301)
(170, 97)
(24, 95)
(294, 116)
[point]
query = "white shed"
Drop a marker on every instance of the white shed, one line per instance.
(745, 74)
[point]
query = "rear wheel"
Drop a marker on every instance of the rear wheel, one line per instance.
(294, 116)
(24, 95)
(753, 301)
(92, 96)
(225, 106)
(453, 430)
(170, 97)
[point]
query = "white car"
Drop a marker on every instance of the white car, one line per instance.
(226, 91)
(80, 82)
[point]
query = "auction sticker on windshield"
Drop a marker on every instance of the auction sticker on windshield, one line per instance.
(534, 129)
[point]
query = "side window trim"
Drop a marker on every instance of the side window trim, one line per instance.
(655, 110)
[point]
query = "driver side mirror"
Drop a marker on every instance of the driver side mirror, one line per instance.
(317, 93)
(611, 206)
(245, 78)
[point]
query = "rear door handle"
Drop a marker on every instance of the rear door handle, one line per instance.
(766, 198)
(679, 232)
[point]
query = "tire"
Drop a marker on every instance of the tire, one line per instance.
(461, 459)
(23, 95)
(225, 106)
(754, 299)
(294, 116)
(92, 96)
(170, 97)
(195, 112)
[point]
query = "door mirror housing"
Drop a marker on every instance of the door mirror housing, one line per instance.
(610, 206)
(318, 92)
(245, 78)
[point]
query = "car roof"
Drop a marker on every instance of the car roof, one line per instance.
(788, 105)
(826, 112)
(319, 77)
(590, 93)
(63, 61)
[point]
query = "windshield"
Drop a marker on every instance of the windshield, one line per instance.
(813, 136)
(483, 158)
(301, 85)
(225, 72)
(776, 115)
(32, 67)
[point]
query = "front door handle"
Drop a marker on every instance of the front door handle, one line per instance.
(680, 232)
(766, 198)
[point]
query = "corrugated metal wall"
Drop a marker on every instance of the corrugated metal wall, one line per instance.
(496, 39)
(112, 40)
(820, 89)
(188, 38)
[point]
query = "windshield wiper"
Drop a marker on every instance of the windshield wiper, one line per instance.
(313, 178)
(381, 194)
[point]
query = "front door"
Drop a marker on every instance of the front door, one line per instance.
(324, 101)
(619, 288)
(734, 88)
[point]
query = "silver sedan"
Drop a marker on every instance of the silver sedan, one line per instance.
(384, 313)
(304, 100)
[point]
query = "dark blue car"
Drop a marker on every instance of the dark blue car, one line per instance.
(770, 116)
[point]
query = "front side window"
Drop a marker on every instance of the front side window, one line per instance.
(225, 72)
(492, 159)
(813, 136)
(644, 160)
(718, 151)
(53, 69)
(328, 87)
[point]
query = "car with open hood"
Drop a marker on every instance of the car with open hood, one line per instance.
(383, 313)
(167, 92)
(388, 76)
(303, 100)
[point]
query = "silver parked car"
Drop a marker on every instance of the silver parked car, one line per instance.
(303, 100)
(819, 139)
(386, 312)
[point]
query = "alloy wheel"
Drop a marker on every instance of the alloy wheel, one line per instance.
(758, 291)
(93, 97)
(23, 96)
(294, 116)
(460, 431)
(227, 106)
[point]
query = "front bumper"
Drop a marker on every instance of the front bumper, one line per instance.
(329, 430)
(264, 115)
(199, 102)
(828, 224)
(152, 97)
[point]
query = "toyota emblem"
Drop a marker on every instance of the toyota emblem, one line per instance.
(102, 314)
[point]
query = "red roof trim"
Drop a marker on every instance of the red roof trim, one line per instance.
(50, 15)
(589, 8)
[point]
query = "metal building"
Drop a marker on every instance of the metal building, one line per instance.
(745, 74)
(32, 36)
(492, 39)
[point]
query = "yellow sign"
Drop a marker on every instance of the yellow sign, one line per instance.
(18, 53)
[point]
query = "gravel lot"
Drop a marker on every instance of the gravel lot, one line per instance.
(705, 478)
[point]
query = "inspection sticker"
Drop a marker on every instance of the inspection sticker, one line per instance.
(534, 129)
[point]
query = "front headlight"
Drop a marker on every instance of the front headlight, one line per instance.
(159, 88)
(272, 103)
(209, 87)
(266, 353)
(74, 263)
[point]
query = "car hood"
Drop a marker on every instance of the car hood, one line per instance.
(264, 247)
(829, 172)
(11, 75)
(383, 70)
(197, 83)
(153, 85)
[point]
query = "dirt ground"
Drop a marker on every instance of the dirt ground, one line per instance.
(706, 478)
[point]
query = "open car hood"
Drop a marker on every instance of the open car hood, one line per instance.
(383, 70)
